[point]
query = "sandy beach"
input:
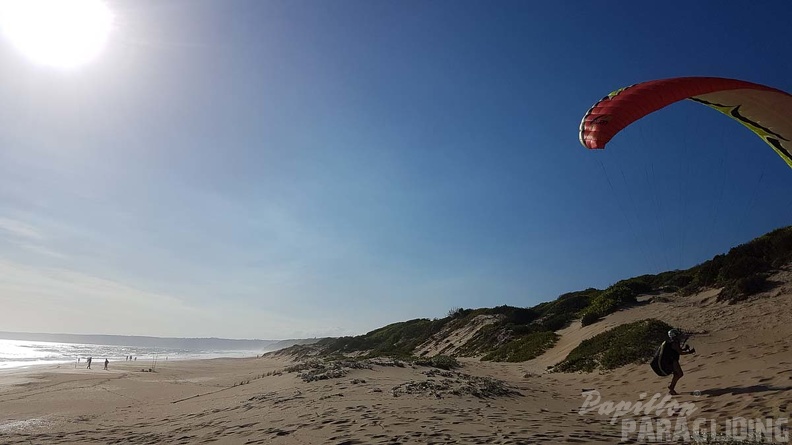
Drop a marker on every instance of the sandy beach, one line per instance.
(743, 368)
(395, 222)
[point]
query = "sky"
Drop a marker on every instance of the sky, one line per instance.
(281, 169)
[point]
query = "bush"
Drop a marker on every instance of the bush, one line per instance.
(780, 247)
(681, 280)
(630, 343)
(397, 339)
(639, 285)
(607, 302)
(589, 318)
(525, 348)
(743, 288)
(752, 285)
(556, 321)
(671, 278)
(707, 273)
(455, 312)
(773, 250)
(558, 314)
(514, 315)
(740, 268)
(690, 289)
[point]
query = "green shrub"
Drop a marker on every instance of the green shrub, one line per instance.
(707, 272)
(630, 343)
(607, 302)
(397, 339)
(559, 313)
(455, 312)
(556, 321)
(743, 288)
(525, 348)
(780, 247)
(638, 285)
(514, 315)
(741, 267)
(753, 284)
(681, 280)
(773, 250)
(590, 318)
(690, 289)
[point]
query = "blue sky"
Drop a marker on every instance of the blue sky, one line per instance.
(274, 169)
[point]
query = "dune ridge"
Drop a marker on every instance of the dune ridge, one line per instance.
(743, 367)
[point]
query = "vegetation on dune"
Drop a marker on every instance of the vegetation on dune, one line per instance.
(629, 343)
(457, 384)
(524, 333)
(614, 298)
(397, 339)
(742, 288)
(519, 334)
(559, 313)
(743, 271)
(524, 348)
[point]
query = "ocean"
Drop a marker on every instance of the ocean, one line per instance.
(15, 354)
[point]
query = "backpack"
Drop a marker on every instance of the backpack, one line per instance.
(660, 363)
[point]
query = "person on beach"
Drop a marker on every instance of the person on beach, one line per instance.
(89, 362)
(675, 350)
(107, 362)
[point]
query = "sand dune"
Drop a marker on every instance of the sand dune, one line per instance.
(743, 368)
(449, 340)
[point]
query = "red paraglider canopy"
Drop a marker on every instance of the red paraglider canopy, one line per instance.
(764, 110)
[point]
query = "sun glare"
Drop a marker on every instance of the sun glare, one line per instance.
(58, 33)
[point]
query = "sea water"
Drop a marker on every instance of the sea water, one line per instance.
(23, 353)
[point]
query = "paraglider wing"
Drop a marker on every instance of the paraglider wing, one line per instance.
(764, 110)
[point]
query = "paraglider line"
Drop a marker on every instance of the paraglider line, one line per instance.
(623, 212)
(753, 199)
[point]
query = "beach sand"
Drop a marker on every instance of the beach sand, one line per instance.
(743, 368)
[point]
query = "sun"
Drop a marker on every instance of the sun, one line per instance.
(57, 33)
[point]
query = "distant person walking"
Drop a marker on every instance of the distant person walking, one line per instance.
(89, 362)
(107, 362)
